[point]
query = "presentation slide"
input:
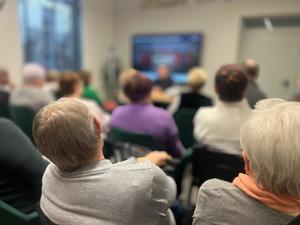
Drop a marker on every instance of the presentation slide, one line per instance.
(179, 51)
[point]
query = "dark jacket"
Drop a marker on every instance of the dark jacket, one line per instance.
(21, 168)
(194, 101)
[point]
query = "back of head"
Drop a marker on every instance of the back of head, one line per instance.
(53, 76)
(126, 75)
(251, 69)
(65, 133)
(86, 77)
(231, 83)
(34, 74)
(137, 87)
(271, 139)
(68, 83)
(197, 77)
(4, 77)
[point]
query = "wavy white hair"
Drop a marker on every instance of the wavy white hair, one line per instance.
(271, 138)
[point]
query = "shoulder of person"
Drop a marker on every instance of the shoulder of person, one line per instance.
(216, 190)
(119, 109)
(203, 111)
(216, 184)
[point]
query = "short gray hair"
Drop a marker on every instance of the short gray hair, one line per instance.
(32, 71)
(271, 138)
(65, 133)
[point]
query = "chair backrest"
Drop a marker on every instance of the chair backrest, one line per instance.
(12, 216)
(184, 121)
(119, 135)
(208, 164)
(44, 219)
(23, 117)
(4, 109)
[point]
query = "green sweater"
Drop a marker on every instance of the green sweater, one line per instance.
(90, 93)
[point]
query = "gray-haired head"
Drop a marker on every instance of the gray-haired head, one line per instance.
(66, 132)
(34, 74)
(271, 139)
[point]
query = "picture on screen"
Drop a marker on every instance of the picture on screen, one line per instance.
(179, 51)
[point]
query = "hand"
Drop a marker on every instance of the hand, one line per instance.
(157, 157)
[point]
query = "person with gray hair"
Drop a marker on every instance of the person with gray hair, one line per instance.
(80, 187)
(269, 192)
(31, 94)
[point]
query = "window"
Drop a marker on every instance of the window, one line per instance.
(51, 33)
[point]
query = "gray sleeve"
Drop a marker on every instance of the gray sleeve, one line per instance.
(163, 192)
(206, 207)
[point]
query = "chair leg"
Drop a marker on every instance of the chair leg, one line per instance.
(189, 197)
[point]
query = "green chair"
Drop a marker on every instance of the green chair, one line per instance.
(23, 117)
(4, 111)
(184, 121)
(12, 216)
(145, 140)
(179, 171)
(4, 108)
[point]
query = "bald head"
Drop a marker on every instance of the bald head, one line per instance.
(251, 68)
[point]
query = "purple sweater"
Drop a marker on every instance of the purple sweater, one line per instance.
(148, 119)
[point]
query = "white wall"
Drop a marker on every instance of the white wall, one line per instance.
(10, 39)
(220, 22)
(97, 35)
(97, 31)
(114, 21)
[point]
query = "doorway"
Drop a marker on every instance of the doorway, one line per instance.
(276, 47)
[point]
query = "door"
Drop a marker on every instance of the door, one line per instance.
(278, 54)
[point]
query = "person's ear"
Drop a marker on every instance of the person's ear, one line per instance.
(97, 124)
(247, 163)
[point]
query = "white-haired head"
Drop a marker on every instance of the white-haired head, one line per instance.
(33, 74)
(271, 139)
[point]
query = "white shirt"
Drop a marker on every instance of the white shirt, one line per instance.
(31, 97)
(219, 126)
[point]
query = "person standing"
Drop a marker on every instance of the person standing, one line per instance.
(253, 92)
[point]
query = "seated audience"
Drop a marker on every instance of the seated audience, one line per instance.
(193, 99)
(269, 192)
(89, 92)
(140, 116)
(80, 187)
(219, 126)
(6, 88)
(21, 168)
(253, 92)
(51, 84)
(71, 86)
(31, 94)
(5, 83)
(164, 80)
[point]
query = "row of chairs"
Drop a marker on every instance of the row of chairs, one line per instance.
(207, 163)
(21, 115)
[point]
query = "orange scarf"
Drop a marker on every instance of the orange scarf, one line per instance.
(284, 203)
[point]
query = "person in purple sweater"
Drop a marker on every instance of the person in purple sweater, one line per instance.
(140, 116)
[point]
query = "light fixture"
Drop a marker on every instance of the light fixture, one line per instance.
(2, 3)
(268, 24)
